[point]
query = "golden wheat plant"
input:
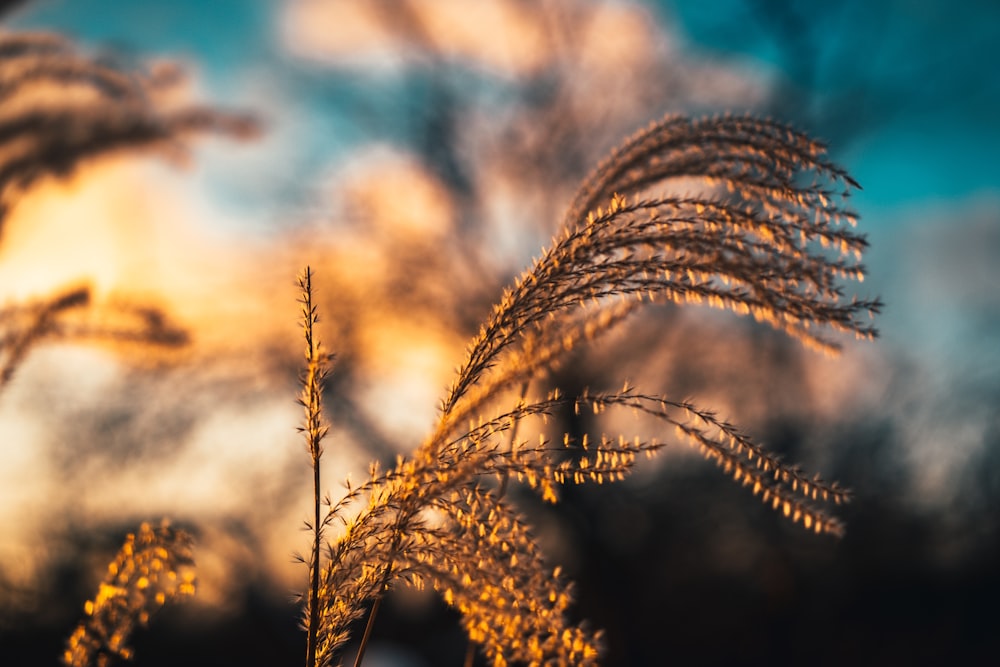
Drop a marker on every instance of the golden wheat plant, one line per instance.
(768, 235)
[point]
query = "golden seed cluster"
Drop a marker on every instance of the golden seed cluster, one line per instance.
(153, 567)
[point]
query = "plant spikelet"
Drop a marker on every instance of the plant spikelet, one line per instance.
(153, 567)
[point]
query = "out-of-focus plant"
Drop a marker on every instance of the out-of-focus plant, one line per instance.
(59, 109)
(153, 567)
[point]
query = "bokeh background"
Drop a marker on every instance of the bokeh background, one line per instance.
(417, 154)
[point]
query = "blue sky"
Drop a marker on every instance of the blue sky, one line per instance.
(932, 61)
(935, 58)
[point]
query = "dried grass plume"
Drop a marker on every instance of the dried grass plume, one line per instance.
(772, 237)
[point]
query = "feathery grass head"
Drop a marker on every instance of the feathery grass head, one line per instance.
(153, 567)
(770, 238)
(315, 430)
(769, 241)
(59, 108)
